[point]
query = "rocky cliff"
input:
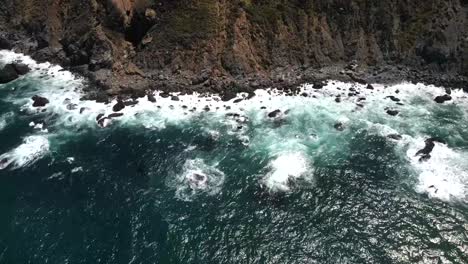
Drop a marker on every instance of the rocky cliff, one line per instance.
(133, 45)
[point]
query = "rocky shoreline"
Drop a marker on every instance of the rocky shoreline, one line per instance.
(127, 48)
(288, 79)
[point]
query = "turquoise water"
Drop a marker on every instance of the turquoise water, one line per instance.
(163, 184)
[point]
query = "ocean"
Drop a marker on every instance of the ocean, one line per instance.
(323, 176)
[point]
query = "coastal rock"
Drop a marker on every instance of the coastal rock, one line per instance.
(39, 101)
(339, 126)
(8, 74)
(21, 68)
(443, 98)
(151, 98)
(395, 136)
(392, 112)
(118, 106)
(428, 148)
(114, 115)
(393, 98)
(5, 43)
(274, 114)
(98, 117)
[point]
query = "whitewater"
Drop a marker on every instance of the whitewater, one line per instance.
(336, 167)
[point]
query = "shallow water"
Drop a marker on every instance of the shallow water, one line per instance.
(164, 184)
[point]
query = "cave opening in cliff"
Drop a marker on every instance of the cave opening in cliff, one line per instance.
(137, 30)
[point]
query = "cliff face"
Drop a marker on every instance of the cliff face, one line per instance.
(135, 44)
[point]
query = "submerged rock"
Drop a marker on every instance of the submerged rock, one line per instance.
(39, 101)
(395, 136)
(392, 112)
(339, 126)
(443, 98)
(393, 98)
(274, 114)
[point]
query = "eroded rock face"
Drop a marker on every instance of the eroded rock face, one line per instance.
(210, 43)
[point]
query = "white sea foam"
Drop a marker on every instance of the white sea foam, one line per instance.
(286, 168)
(31, 150)
(304, 122)
(444, 175)
(197, 177)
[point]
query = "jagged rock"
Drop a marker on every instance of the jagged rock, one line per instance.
(118, 106)
(428, 148)
(370, 87)
(443, 98)
(175, 98)
(39, 101)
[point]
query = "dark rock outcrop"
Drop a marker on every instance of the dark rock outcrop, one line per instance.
(12, 71)
(392, 112)
(339, 126)
(274, 114)
(443, 98)
(39, 101)
(8, 74)
(118, 106)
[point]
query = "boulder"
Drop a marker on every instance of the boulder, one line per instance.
(175, 98)
(392, 112)
(118, 106)
(274, 114)
(443, 98)
(21, 68)
(151, 98)
(339, 126)
(8, 74)
(39, 101)
(318, 85)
